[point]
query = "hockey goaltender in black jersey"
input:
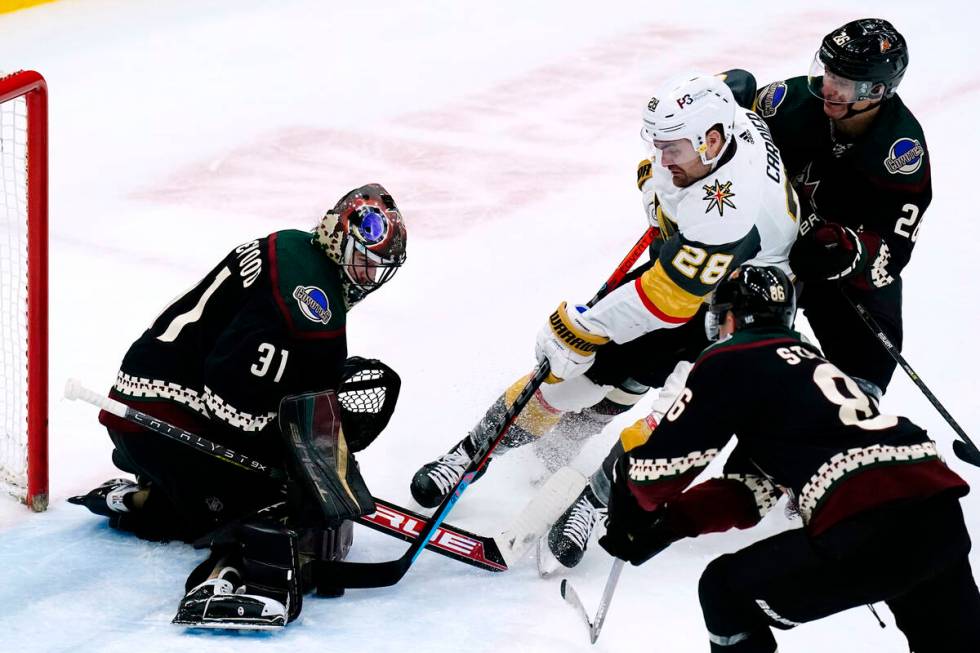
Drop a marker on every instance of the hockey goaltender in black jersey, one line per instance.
(880, 509)
(860, 166)
(252, 359)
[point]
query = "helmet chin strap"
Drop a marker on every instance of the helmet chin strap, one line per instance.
(713, 163)
(851, 111)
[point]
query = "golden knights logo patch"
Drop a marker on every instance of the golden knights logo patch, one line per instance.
(719, 196)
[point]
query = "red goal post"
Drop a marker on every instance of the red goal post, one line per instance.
(24, 287)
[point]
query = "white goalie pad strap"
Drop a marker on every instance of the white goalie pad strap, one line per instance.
(574, 394)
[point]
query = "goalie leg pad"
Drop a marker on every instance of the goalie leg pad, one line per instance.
(270, 565)
(324, 545)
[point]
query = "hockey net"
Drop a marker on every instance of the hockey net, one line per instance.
(23, 287)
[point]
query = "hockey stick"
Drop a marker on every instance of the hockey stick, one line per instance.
(964, 448)
(456, 543)
(75, 390)
(384, 574)
(571, 597)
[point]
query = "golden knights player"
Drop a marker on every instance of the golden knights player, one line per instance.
(265, 325)
(881, 513)
(860, 167)
(715, 186)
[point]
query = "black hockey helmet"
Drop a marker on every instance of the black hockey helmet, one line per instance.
(756, 296)
(869, 52)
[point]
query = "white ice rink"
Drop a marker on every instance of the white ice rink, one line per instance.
(508, 133)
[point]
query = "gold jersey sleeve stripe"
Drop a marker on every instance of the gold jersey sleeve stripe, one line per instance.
(666, 299)
(7, 6)
(636, 434)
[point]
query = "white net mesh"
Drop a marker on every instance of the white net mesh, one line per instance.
(13, 296)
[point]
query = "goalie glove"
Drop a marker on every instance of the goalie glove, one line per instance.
(569, 342)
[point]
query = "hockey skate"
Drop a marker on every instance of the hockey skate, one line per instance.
(108, 499)
(216, 603)
(569, 536)
(433, 481)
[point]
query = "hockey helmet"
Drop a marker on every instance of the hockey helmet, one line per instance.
(688, 109)
(863, 60)
(756, 296)
(365, 235)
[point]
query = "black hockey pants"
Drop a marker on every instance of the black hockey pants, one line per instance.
(845, 339)
(911, 556)
(191, 493)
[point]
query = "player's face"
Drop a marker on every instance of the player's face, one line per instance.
(840, 94)
(681, 160)
(363, 270)
(838, 97)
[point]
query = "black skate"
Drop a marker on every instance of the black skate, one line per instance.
(569, 536)
(434, 480)
(107, 500)
(215, 604)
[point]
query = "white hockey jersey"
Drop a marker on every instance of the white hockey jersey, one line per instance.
(743, 211)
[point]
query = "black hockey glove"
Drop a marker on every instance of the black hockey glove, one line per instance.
(632, 533)
(827, 251)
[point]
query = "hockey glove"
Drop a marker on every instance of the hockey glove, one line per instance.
(632, 533)
(569, 342)
(827, 251)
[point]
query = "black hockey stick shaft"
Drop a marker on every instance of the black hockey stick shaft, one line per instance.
(964, 448)
(75, 390)
(389, 518)
(384, 574)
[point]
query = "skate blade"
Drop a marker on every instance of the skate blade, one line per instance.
(228, 625)
(548, 564)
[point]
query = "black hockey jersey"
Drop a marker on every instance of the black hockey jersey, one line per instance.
(803, 427)
(268, 321)
(879, 185)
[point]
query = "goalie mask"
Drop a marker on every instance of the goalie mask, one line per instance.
(365, 235)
